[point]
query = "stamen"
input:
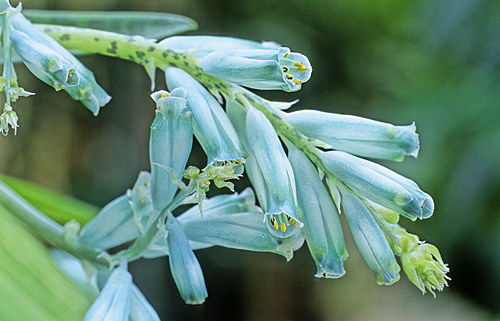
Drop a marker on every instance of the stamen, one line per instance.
(302, 69)
(286, 55)
(163, 95)
(297, 64)
(274, 223)
(289, 77)
(297, 81)
(286, 69)
(324, 274)
(282, 227)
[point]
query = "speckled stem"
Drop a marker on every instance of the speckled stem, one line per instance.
(144, 52)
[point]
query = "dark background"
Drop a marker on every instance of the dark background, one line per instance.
(433, 62)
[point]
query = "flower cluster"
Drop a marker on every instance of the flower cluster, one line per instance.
(46, 59)
(288, 157)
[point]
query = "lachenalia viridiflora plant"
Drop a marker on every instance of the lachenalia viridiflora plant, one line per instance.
(288, 156)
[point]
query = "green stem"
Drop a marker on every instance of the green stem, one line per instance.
(7, 57)
(141, 243)
(146, 53)
(45, 228)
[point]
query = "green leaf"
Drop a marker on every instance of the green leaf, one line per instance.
(59, 207)
(147, 24)
(33, 288)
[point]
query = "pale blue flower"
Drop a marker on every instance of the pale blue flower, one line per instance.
(211, 126)
(170, 144)
(140, 308)
(266, 69)
(184, 265)
(113, 303)
(122, 219)
(379, 184)
(87, 91)
(204, 45)
(322, 228)
(46, 64)
(369, 238)
(268, 169)
(357, 135)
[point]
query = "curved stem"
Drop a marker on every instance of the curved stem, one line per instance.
(45, 228)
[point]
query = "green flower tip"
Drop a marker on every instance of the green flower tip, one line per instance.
(425, 268)
(8, 118)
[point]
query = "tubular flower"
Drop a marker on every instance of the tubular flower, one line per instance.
(269, 169)
(8, 118)
(211, 126)
(87, 90)
(170, 144)
(357, 135)
(322, 229)
(379, 184)
(266, 69)
(113, 303)
(369, 238)
(184, 265)
(204, 45)
(49, 66)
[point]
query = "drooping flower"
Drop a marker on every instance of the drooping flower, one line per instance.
(184, 265)
(268, 168)
(170, 144)
(113, 303)
(369, 238)
(379, 184)
(8, 118)
(122, 219)
(49, 66)
(87, 91)
(321, 228)
(211, 126)
(357, 135)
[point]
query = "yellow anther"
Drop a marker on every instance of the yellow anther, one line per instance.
(145, 184)
(294, 222)
(286, 55)
(274, 223)
(163, 95)
(297, 64)
(289, 77)
(142, 201)
(282, 227)
(302, 69)
(324, 274)
(286, 69)
(154, 127)
(297, 81)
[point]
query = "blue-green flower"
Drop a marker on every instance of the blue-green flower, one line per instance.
(268, 169)
(211, 126)
(170, 144)
(266, 69)
(122, 219)
(140, 308)
(369, 238)
(184, 265)
(113, 303)
(87, 91)
(357, 135)
(321, 228)
(379, 184)
(204, 45)
(49, 66)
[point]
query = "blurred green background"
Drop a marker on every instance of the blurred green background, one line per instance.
(432, 62)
